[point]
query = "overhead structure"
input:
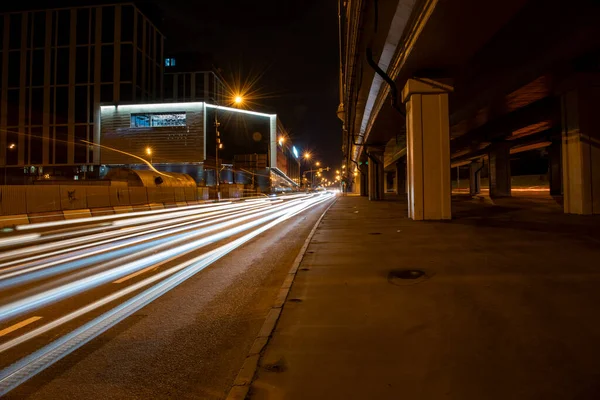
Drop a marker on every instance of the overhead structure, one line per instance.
(440, 87)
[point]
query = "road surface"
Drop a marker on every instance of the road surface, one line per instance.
(159, 304)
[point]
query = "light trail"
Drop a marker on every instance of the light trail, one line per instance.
(143, 234)
(62, 292)
(254, 224)
(44, 248)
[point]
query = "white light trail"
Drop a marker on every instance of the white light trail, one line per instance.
(67, 290)
(198, 263)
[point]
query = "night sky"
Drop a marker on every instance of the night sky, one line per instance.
(291, 46)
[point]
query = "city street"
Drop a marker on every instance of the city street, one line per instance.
(182, 331)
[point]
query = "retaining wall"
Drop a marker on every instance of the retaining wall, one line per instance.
(26, 204)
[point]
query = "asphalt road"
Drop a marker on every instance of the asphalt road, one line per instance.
(188, 343)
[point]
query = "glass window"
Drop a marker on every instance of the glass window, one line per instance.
(168, 119)
(37, 106)
(62, 140)
(14, 68)
(14, 31)
(62, 66)
(37, 75)
(140, 120)
(127, 24)
(169, 62)
(12, 116)
(36, 145)
(108, 24)
(158, 120)
(126, 92)
(81, 106)
(62, 105)
(39, 29)
(81, 65)
(126, 63)
(64, 27)
(80, 147)
(83, 26)
(107, 64)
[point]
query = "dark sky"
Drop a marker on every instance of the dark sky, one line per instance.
(290, 45)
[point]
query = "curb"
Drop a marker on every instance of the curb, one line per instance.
(241, 384)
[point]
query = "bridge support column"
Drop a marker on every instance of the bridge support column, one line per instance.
(376, 172)
(499, 156)
(475, 177)
(580, 146)
(555, 168)
(428, 149)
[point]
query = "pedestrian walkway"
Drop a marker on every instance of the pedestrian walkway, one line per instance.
(507, 307)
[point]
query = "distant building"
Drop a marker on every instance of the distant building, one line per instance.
(180, 137)
(191, 76)
(57, 67)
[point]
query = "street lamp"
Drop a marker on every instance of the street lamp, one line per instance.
(307, 156)
(317, 164)
(238, 100)
(281, 140)
(149, 152)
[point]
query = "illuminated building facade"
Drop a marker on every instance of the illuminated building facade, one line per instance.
(180, 137)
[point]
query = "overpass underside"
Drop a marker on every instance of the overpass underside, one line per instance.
(428, 86)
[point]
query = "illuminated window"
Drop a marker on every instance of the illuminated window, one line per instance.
(169, 62)
(158, 120)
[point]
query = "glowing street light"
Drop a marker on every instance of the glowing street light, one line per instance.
(12, 146)
(238, 100)
(281, 140)
(337, 172)
(307, 156)
(149, 152)
(317, 164)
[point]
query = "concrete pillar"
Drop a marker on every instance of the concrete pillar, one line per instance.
(555, 168)
(401, 177)
(428, 149)
(475, 177)
(356, 183)
(376, 172)
(499, 156)
(580, 145)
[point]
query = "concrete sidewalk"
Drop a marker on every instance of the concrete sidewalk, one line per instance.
(507, 309)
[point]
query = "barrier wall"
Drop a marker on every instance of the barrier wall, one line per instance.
(40, 199)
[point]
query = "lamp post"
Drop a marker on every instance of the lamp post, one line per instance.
(218, 145)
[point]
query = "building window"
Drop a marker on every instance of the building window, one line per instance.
(158, 120)
(169, 62)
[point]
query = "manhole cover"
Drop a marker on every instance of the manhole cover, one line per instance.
(402, 277)
(406, 274)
